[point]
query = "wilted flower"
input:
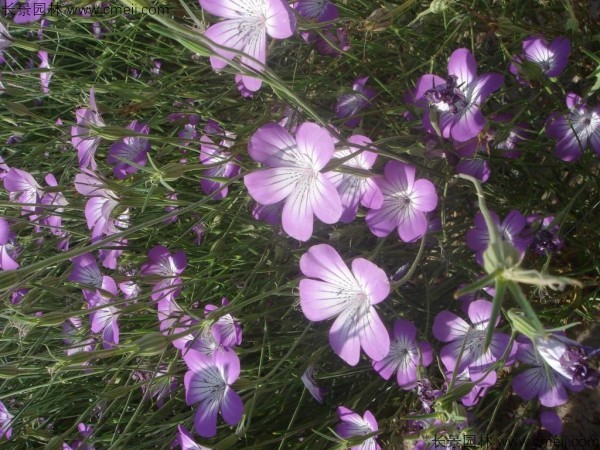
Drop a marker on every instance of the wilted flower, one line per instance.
(245, 29)
(130, 148)
(353, 425)
(293, 176)
(332, 42)
(349, 296)
(576, 130)
(309, 383)
(406, 355)
(545, 238)
(405, 202)
(457, 99)
(208, 382)
(349, 104)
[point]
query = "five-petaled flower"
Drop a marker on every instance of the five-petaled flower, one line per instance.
(293, 175)
(406, 355)
(457, 99)
(245, 29)
(208, 382)
(130, 149)
(161, 263)
(82, 136)
(349, 296)
(552, 59)
(405, 202)
(575, 130)
(352, 426)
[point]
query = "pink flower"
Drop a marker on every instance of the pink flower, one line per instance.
(245, 30)
(335, 291)
(168, 267)
(82, 137)
(293, 175)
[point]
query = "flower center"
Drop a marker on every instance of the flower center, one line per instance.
(447, 97)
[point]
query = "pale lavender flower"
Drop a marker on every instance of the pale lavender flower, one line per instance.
(405, 202)
(99, 208)
(208, 382)
(245, 29)
(85, 431)
(131, 148)
(227, 330)
(317, 10)
(406, 355)
(309, 383)
(576, 130)
(350, 104)
(551, 58)
(71, 331)
(158, 384)
(270, 214)
(356, 189)
(168, 267)
(513, 229)
(5, 39)
(352, 425)
(105, 318)
(86, 271)
(46, 74)
(53, 199)
(293, 176)
(5, 423)
(187, 442)
(221, 162)
(469, 339)
(173, 320)
(458, 99)
(82, 137)
(8, 247)
(23, 188)
(349, 296)
(539, 379)
(29, 10)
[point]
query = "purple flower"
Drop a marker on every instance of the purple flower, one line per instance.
(551, 422)
(71, 329)
(469, 339)
(85, 431)
(268, 213)
(475, 167)
(8, 247)
(208, 382)
(5, 422)
(227, 330)
(457, 99)
(552, 59)
(173, 321)
(330, 42)
(349, 296)
(5, 39)
(352, 425)
(293, 175)
(545, 238)
(53, 199)
(309, 383)
(105, 318)
(349, 104)
(187, 442)
(162, 264)
(406, 355)
(245, 29)
(580, 127)
(479, 389)
(131, 148)
(355, 189)
(28, 10)
(221, 163)
(23, 188)
(158, 384)
(99, 208)
(317, 10)
(86, 271)
(513, 229)
(540, 379)
(405, 202)
(46, 74)
(82, 137)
